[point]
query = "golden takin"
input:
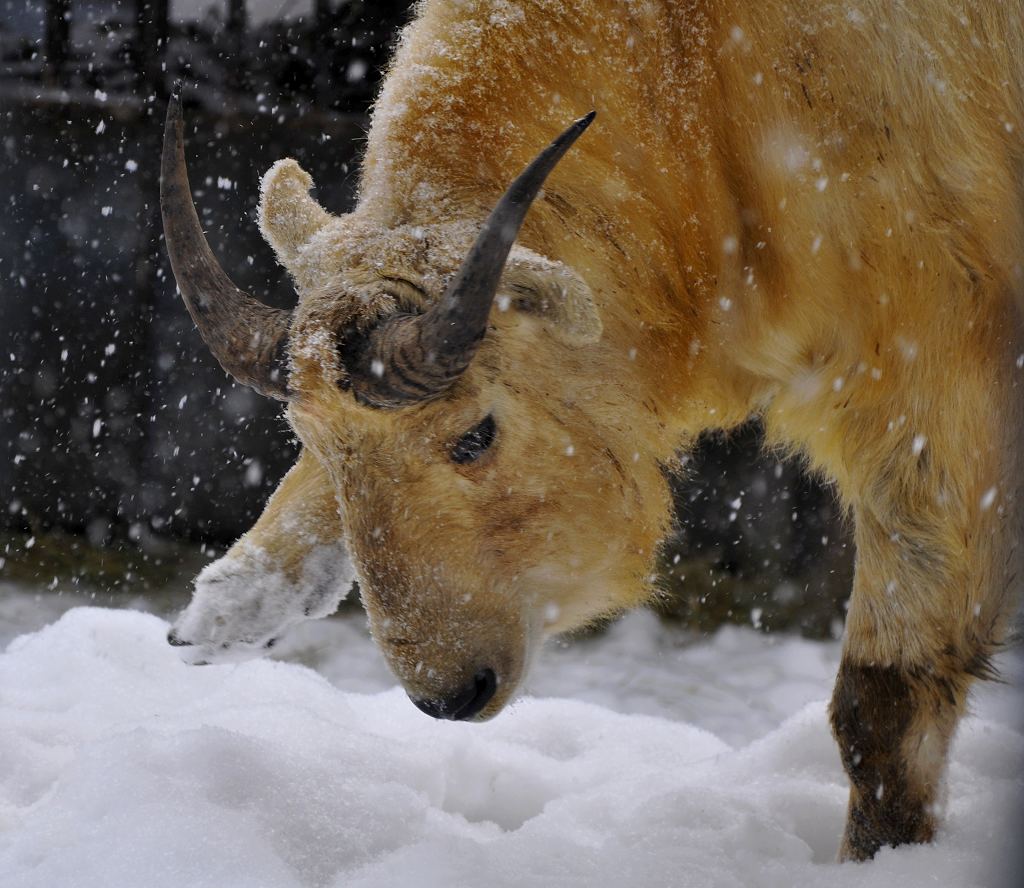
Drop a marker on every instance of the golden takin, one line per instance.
(809, 213)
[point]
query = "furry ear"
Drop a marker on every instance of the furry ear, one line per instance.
(288, 216)
(551, 290)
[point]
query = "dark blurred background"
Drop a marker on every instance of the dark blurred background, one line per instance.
(124, 449)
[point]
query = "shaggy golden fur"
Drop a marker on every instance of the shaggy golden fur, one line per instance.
(811, 213)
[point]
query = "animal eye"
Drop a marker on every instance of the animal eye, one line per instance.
(472, 445)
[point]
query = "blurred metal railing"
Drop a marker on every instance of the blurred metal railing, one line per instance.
(324, 57)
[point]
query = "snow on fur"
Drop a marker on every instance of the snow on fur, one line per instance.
(241, 604)
(121, 766)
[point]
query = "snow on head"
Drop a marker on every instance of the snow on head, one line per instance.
(124, 767)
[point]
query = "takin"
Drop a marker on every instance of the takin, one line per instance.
(812, 214)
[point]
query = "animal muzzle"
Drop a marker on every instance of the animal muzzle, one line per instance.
(457, 680)
(466, 703)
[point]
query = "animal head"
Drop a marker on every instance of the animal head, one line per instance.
(454, 388)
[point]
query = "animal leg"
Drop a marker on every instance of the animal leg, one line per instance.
(933, 477)
(893, 727)
(291, 566)
(923, 621)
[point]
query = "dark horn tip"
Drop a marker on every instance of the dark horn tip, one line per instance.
(174, 103)
(574, 131)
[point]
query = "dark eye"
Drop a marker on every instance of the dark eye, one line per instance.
(472, 445)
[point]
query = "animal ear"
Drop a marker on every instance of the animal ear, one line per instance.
(551, 290)
(288, 216)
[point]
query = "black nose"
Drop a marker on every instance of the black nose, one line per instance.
(465, 704)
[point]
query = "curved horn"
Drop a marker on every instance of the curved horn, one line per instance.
(246, 337)
(409, 358)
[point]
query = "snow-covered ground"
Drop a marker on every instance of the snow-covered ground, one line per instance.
(642, 757)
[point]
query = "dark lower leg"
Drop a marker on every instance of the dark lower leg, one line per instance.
(893, 728)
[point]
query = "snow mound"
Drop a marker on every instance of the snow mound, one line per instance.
(121, 766)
